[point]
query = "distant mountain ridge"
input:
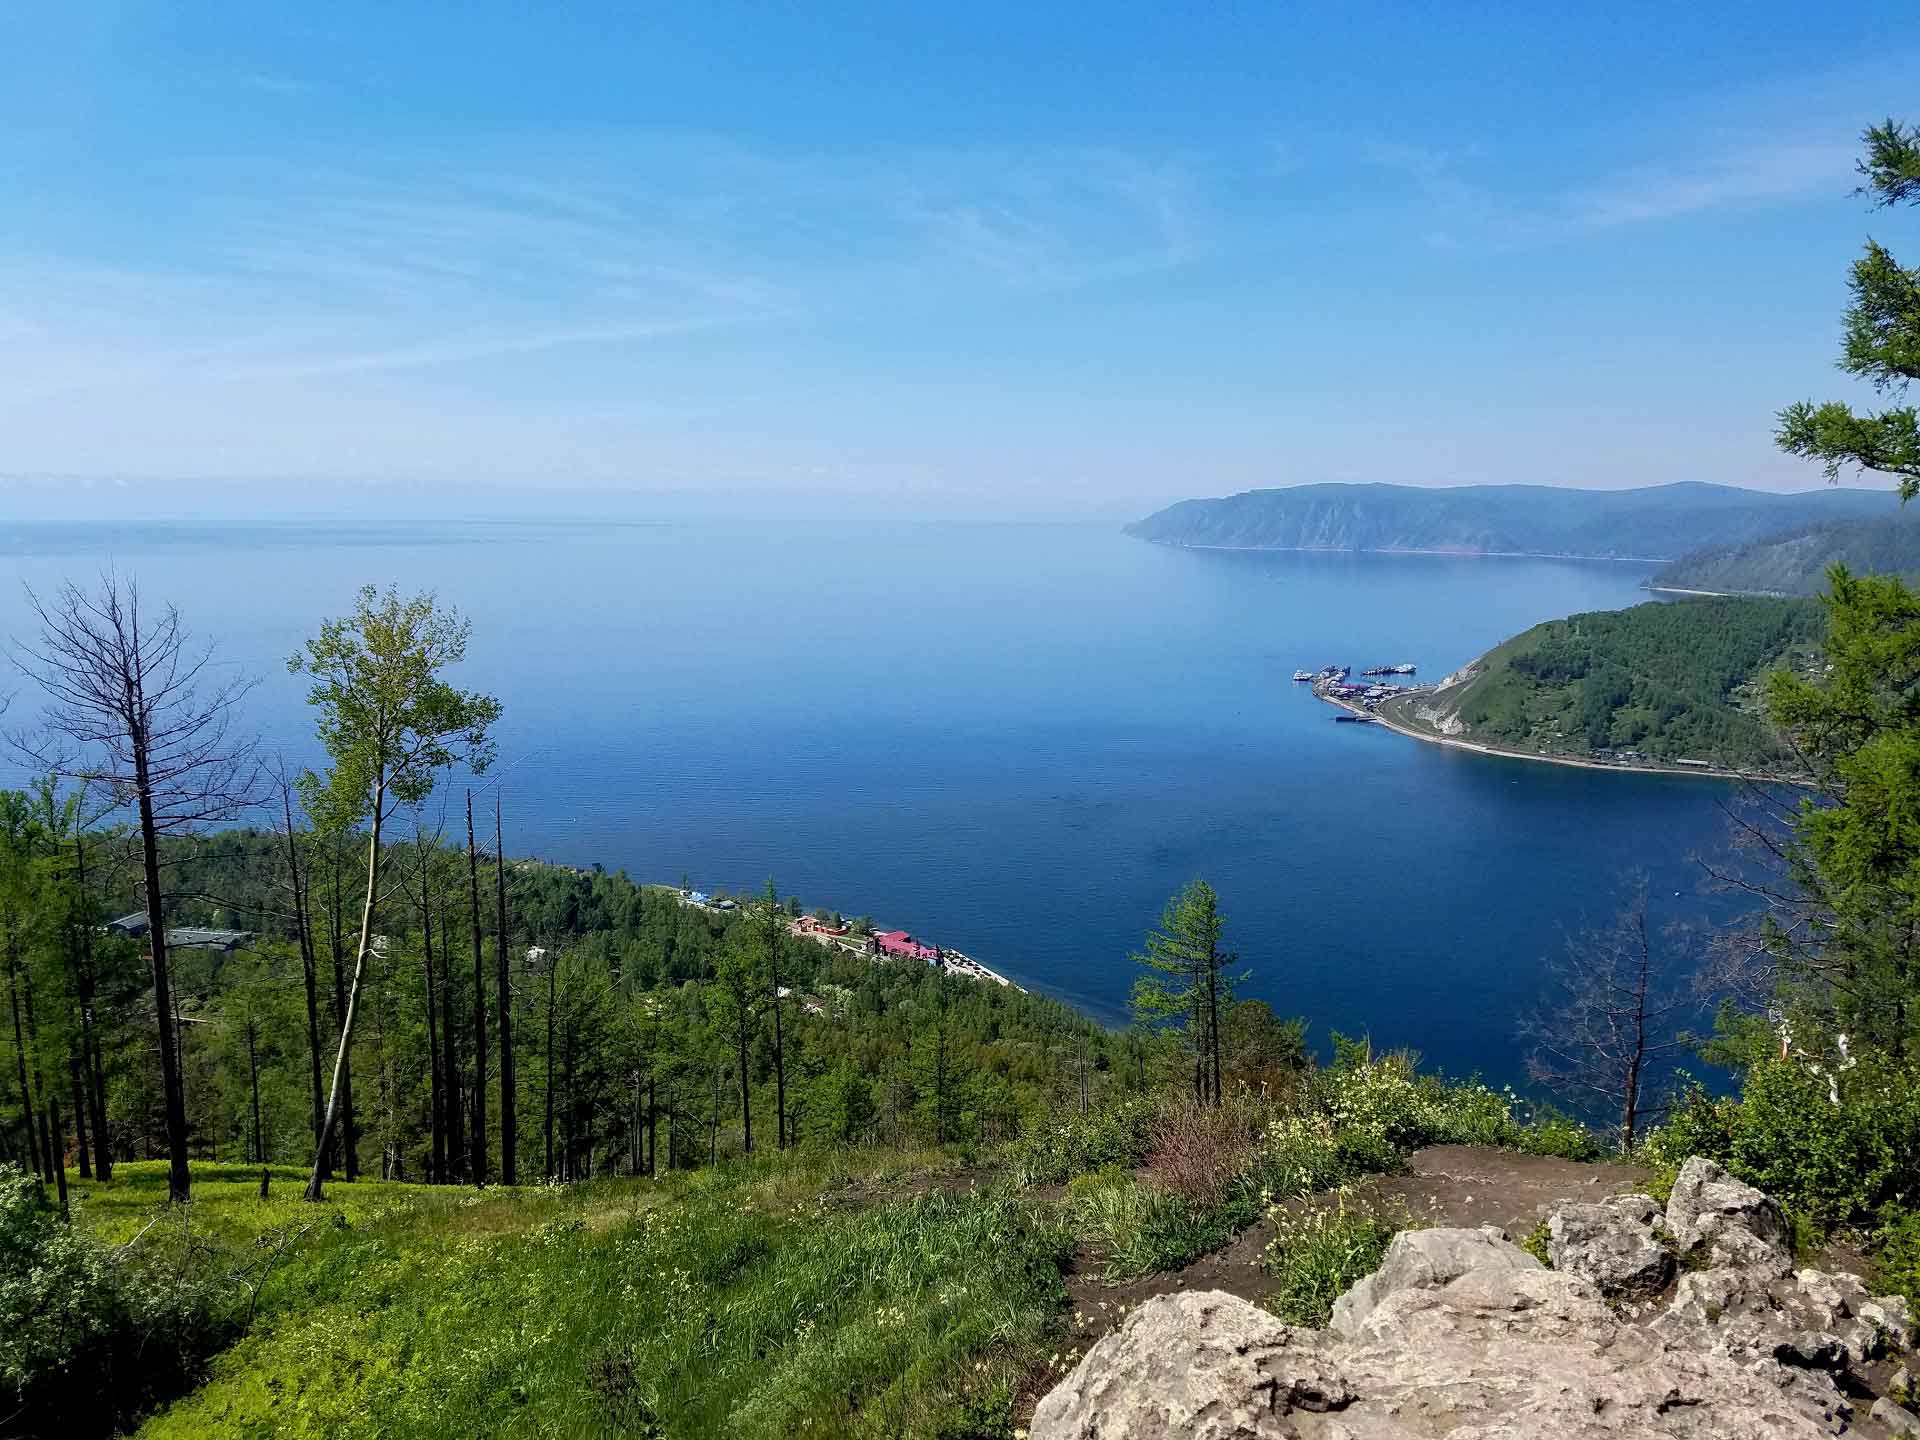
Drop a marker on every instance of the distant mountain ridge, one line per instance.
(1660, 522)
(1795, 561)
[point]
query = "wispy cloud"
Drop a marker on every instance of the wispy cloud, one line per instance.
(416, 262)
(1464, 203)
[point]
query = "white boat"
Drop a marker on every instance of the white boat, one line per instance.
(1303, 675)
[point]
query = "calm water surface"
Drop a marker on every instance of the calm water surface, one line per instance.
(1013, 740)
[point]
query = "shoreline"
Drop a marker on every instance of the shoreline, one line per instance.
(1702, 772)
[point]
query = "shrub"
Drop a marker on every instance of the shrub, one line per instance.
(1054, 1148)
(1305, 1153)
(1535, 1244)
(89, 1336)
(1898, 1258)
(1319, 1252)
(1835, 1162)
(1198, 1150)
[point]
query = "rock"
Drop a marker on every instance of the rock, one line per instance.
(1612, 1244)
(1898, 1419)
(1458, 1334)
(1900, 1385)
(1888, 1314)
(1202, 1365)
(1812, 1350)
(1426, 1260)
(1733, 1223)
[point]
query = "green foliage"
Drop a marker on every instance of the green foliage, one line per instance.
(1320, 1251)
(1053, 1148)
(1535, 1244)
(1882, 343)
(1140, 1228)
(1670, 681)
(90, 1336)
(1897, 1254)
(1189, 985)
(1834, 1163)
(734, 1301)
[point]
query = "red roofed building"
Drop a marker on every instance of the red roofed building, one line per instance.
(900, 943)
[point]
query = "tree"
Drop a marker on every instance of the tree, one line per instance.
(1842, 913)
(1882, 343)
(390, 724)
(503, 1007)
(137, 713)
(773, 924)
(477, 1135)
(1190, 987)
(739, 984)
(1600, 1041)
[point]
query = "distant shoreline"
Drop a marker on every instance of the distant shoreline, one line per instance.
(1410, 550)
(1701, 772)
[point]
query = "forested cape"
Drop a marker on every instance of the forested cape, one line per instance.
(1667, 680)
(1649, 523)
(1796, 561)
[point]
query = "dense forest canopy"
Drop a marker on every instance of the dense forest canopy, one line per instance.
(1671, 681)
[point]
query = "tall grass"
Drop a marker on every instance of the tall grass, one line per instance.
(738, 1302)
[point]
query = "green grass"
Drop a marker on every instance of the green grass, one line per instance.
(762, 1299)
(1318, 1252)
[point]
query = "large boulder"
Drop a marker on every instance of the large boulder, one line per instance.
(1727, 1221)
(1613, 1245)
(1459, 1334)
(1426, 1260)
(1205, 1365)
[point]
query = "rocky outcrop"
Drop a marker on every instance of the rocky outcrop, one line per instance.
(1733, 1223)
(1613, 1244)
(1461, 1334)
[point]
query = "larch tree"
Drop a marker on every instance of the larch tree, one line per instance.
(1843, 922)
(390, 724)
(1882, 338)
(503, 1009)
(738, 984)
(477, 1132)
(1189, 985)
(138, 713)
(773, 926)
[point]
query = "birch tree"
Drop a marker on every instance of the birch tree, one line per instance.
(390, 724)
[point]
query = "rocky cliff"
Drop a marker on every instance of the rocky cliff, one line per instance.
(1689, 1321)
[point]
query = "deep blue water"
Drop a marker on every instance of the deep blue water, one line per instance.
(1014, 740)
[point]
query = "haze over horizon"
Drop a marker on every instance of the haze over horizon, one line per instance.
(1052, 265)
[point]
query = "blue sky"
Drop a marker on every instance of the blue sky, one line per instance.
(1047, 261)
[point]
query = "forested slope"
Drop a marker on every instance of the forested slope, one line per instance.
(1796, 561)
(1667, 681)
(1653, 522)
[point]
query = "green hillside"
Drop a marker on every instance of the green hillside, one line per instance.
(1666, 681)
(1649, 523)
(1796, 561)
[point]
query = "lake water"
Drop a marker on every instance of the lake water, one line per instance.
(1013, 740)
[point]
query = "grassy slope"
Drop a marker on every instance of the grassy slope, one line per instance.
(1671, 681)
(742, 1301)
